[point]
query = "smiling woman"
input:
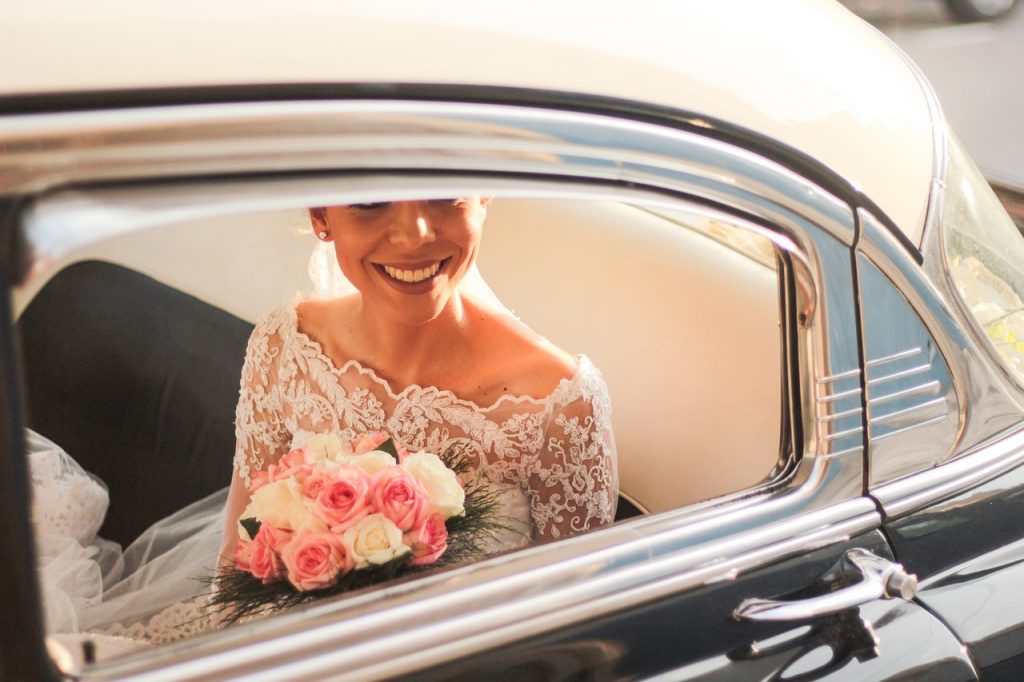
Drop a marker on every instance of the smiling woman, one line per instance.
(412, 354)
(410, 342)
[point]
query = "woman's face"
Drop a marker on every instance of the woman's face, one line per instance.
(405, 257)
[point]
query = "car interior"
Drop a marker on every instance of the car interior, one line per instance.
(133, 345)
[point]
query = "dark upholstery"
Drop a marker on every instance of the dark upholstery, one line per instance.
(138, 382)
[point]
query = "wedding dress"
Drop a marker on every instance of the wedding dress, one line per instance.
(553, 458)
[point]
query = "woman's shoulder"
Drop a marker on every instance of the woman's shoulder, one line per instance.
(524, 363)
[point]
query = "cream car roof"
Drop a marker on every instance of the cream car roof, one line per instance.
(805, 72)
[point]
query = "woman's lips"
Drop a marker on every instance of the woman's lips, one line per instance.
(412, 277)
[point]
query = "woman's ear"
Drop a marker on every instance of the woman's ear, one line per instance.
(318, 219)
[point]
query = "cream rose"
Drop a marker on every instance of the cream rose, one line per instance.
(373, 461)
(282, 505)
(323, 446)
(447, 497)
(374, 540)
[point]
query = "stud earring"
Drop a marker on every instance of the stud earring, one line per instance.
(322, 234)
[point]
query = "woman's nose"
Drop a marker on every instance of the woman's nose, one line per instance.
(411, 227)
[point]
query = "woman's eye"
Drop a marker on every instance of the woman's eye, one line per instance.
(371, 207)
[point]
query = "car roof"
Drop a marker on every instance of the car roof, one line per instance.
(804, 72)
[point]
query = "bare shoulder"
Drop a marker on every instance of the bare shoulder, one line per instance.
(525, 363)
(324, 320)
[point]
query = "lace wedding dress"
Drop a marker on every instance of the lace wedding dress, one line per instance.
(556, 453)
(552, 458)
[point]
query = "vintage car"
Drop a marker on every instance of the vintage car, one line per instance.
(805, 299)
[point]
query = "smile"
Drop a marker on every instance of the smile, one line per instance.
(413, 276)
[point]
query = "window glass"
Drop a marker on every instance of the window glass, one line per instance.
(985, 252)
(611, 332)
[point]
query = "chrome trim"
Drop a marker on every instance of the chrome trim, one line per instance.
(841, 453)
(843, 434)
(880, 579)
(393, 630)
(905, 411)
(924, 389)
(1002, 453)
(902, 374)
(40, 151)
(985, 405)
(841, 415)
(872, 362)
(849, 374)
(912, 427)
(829, 398)
(498, 601)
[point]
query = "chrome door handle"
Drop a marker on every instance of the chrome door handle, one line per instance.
(880, 579)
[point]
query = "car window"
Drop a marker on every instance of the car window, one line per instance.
(677, 308)
(985, 251)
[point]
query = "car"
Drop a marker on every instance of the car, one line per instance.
(804, 297)
(979, 10)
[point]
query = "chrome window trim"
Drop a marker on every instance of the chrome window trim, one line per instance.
(986, 407)
(601, 573)
(40, 152)
(610, 569)
(1002, 453)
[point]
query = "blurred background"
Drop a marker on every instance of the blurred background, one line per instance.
(972, 52)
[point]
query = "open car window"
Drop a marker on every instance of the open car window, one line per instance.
(134, 346)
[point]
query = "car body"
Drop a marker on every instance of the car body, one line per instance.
(818, 425)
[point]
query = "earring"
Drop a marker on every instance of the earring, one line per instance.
(322, 234)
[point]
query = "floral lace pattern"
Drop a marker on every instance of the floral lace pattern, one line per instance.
(558, 450)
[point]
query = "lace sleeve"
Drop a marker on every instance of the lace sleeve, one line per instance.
(574, 485)
(260, 432)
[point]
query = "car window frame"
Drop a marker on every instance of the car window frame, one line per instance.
(814, 222)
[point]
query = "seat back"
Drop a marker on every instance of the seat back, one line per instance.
(684, 329)
(138, 382)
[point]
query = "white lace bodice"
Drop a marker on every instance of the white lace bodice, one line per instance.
(558, 450)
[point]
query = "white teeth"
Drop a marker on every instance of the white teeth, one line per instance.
(413, 276)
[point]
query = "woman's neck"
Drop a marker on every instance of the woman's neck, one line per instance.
(422, 353)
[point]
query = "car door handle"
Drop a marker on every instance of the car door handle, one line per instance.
(879, 579)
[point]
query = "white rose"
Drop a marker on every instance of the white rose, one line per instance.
(447, 497)
(282, 505)
(372, 462)
(322, 446)
(374, 540)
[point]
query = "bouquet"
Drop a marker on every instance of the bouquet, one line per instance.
(335, 516)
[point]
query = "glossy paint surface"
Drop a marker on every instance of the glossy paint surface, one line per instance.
(804, 72)
(968, 552)
(695, 636)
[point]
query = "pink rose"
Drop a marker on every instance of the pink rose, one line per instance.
(292, 464)
(343, 497)
(264, 553)
(399, 497)
(315, 560)
(314, 483)
(428, 541)
(295, 458)
(368, 442)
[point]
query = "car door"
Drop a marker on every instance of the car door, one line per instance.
(786, 576)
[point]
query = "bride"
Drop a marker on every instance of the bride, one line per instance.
(413, 344)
